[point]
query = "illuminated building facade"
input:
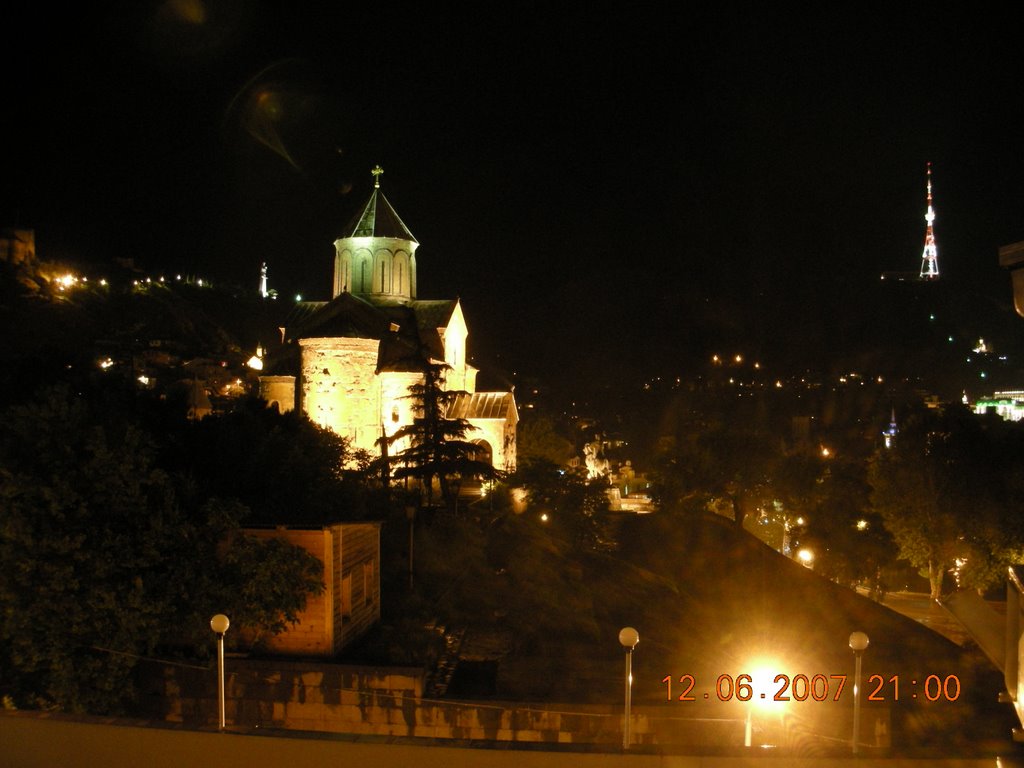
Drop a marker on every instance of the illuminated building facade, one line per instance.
(1007, 405)
(348, 363)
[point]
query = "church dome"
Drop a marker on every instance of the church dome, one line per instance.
(375, 257)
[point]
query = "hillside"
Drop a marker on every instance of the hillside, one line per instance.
(707, 600)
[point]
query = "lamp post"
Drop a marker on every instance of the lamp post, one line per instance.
(410, 513)
(858, 644)
(628, 637)
(220, 624)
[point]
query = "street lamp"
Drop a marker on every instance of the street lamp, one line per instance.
(220, 624)
(628, 637)
(858, 644)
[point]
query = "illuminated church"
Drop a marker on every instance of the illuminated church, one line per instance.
(348, 362)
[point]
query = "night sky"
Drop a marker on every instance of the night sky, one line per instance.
(596, 187)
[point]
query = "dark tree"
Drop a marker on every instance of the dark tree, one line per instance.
(848, 538)
(567, 501)
(438, 449)
(101, 564)
(718, 459)
(948, 491)
(283, 467)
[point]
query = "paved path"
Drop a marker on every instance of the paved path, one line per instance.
(922, 609)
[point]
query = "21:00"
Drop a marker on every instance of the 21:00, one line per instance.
(934, 688)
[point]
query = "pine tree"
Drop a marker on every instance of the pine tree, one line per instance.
(438, 447)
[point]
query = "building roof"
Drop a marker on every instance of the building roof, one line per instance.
(483, 405)
(407, 330)
(378, 219)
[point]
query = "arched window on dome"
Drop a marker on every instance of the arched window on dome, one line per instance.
(382, 272)
(362, 273)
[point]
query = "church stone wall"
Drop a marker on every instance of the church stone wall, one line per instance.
(500, 436)
(397, 408)
(340, 389)
(279, 391)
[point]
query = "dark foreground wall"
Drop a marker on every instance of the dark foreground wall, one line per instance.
(38, 740)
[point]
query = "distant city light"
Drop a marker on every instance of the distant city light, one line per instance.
(544, 517)
(862, 525)
(298, 297)
(805, 556)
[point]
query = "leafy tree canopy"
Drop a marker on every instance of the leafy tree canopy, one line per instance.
(101, 562)
(949, 492)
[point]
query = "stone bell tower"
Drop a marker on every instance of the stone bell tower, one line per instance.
(375, 258)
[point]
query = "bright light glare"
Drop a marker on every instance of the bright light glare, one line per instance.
(763, 672)
(805, 556)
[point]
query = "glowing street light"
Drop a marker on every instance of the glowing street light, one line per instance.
(219, 624)
(858, 644)
(628, 638)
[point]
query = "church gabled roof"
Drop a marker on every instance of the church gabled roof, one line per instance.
(378, 219)
(483, 405)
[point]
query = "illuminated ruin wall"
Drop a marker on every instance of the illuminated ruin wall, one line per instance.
(340, 389)
(278, 391)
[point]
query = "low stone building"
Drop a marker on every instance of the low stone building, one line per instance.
(350, 603)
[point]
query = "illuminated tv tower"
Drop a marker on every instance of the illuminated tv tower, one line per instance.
(930, 257)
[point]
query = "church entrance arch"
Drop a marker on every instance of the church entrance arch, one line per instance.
(482, 451)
